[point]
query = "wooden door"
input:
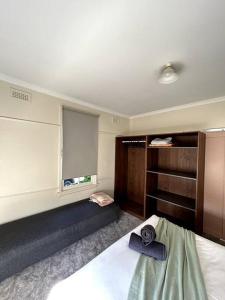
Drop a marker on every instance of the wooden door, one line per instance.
(214, 204)
(223, 234)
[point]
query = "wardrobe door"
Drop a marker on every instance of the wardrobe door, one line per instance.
(214, 185)
(223, 236)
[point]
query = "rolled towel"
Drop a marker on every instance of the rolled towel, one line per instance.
(155, 249)
(148, 234)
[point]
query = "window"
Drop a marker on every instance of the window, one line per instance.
(79, 181)
(80, 148)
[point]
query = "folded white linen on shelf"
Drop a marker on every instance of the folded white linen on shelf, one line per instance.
(159, 141)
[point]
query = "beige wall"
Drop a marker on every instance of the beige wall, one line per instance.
(193, 118)
(30, 157)
(30, 147)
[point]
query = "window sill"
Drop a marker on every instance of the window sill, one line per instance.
(77, 189)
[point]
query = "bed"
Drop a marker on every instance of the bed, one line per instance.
(108, 276)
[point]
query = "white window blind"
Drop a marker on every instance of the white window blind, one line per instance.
(80, 144)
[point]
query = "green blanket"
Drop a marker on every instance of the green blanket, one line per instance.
(177, 278)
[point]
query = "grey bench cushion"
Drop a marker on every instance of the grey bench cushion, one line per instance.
(31, 239)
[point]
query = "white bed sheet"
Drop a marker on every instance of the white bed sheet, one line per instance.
(108, 275)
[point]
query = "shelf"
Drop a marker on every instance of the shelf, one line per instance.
(174, 199)
(171, 147)
(179, 174)
(176, 220)
(133, 208)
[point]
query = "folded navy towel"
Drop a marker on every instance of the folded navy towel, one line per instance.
(155, 249)
(148, 234)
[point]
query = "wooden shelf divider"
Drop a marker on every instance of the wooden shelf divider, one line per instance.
(185, 175)
(175, 199)
(171, 147)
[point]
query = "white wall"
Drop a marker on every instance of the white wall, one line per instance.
(30, 154)
(187, 119)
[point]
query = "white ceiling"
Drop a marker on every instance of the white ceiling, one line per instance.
(108, 53)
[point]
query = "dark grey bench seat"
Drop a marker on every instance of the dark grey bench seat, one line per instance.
(28, 240)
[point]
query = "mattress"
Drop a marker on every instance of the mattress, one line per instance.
(108, 275)
(26, 241)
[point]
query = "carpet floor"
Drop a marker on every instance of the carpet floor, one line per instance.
(35, 282)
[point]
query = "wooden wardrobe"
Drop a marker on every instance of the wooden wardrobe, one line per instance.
(167, 181)
(214, 203)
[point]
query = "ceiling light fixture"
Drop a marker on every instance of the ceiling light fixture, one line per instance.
(168, 74)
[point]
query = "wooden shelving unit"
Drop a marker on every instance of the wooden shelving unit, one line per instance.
(167, 181)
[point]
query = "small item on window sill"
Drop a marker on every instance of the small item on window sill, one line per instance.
(101, 198)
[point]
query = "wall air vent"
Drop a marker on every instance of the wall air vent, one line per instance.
(20, 95)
